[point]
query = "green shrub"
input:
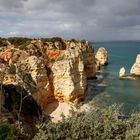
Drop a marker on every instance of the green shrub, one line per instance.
(74, 40)
(53, 39)
(2, 42)
(6, 133)
(100, 124)
(19, 41)
(83, 41)
(24, 45)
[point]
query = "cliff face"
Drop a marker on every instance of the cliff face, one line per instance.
(69, 76)
(135, 70)
(49, 71)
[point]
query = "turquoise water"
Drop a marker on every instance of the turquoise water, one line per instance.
(126, 92)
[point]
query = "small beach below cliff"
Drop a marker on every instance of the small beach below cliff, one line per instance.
(111, 89)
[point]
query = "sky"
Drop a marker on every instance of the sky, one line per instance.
(79, 19)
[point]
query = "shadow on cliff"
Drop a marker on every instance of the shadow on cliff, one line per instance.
(51, 107)
(17, 97)
(96, 86)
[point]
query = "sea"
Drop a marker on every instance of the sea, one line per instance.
(111, 90)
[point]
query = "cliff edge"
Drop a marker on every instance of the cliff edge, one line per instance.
(49, 70)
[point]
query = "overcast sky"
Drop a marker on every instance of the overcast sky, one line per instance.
(81, 19)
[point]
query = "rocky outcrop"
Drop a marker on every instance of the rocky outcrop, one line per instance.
(123, 76)
(122, 72)
(101, 57)
(70, 68)
(48, 71)
(135, 70)
(69, 76)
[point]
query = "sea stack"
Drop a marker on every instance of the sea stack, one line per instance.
(122, 72)
(135, 70)
(101, 57)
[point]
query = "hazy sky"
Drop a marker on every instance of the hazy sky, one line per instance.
(86, 19)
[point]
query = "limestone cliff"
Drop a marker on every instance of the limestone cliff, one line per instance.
(49, 70)
(135, 70)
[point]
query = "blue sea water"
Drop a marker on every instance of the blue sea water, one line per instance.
(126, 92)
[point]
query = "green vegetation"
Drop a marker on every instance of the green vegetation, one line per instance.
(100, 124)
(53, 39)
(7, 133)
(2, 42)
(19, 42)
(22, 42)
(75, 41)
(83, 41)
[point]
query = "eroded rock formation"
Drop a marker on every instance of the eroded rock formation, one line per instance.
(122, 72)
(101, 57)
(135, 70)
(48, 71)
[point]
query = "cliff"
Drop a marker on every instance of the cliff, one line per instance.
(49, 70)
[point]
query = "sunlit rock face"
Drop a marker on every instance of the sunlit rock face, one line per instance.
(71, 67)
(37, 80)
(49, 70)
(69, 76)
(135, 70)
(122, 72)
(101, 57)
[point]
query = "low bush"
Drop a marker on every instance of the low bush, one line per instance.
(2, 42)
(7, 133)
(53, 39)
(98, 124)
(19, 42)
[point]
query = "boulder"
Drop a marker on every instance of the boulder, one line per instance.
(135, 70)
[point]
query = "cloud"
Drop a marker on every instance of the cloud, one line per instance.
(11, 4)
(89, 19)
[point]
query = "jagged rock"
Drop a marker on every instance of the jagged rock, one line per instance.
(12, 55)
(101, 57)
(37, 79)
(123, 76)
(135, 70)
(88, 56)
(36, 48)
(122, 72)
(89, 60)
(50, 71)
(60, 45)
(5, 55)
(69, 77)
